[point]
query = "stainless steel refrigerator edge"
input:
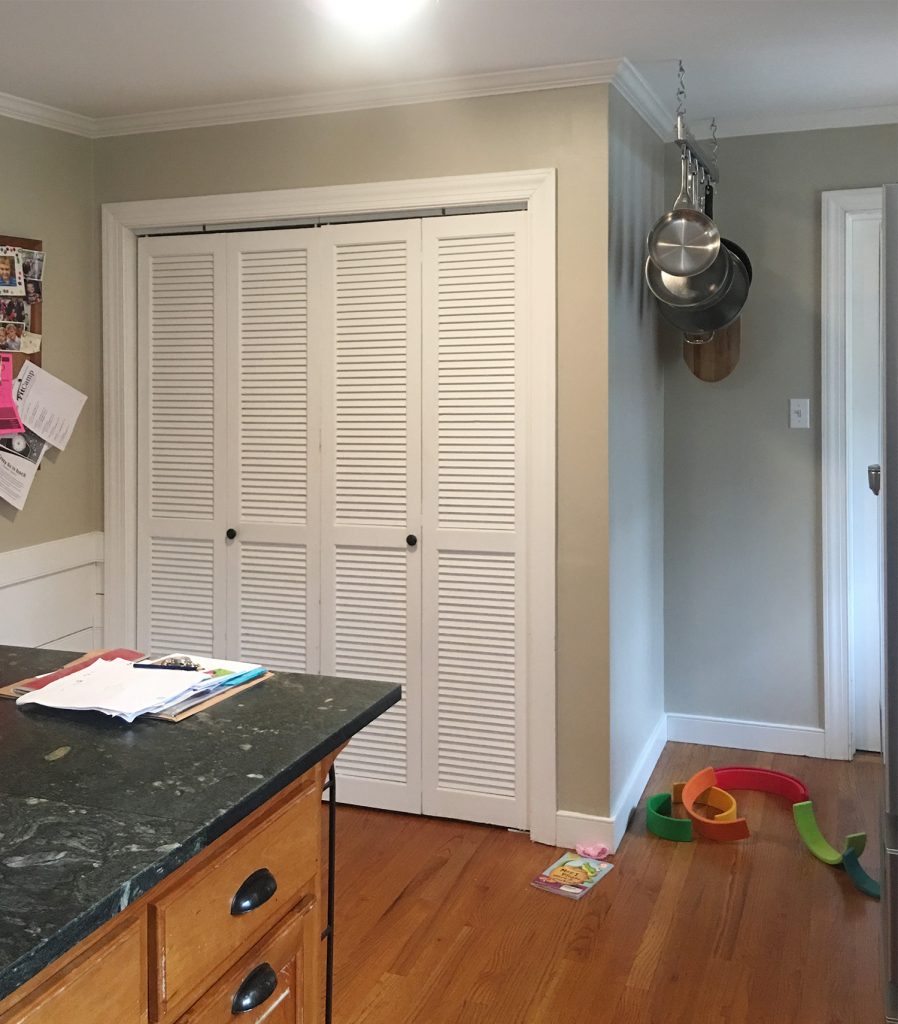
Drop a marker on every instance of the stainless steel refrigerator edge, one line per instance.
(890, 823)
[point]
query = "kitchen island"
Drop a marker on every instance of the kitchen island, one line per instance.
(168, 871)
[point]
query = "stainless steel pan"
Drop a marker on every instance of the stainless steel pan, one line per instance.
(684, 241)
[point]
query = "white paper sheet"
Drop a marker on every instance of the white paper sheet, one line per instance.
(47, 405)
(20, 455)
(117, 688)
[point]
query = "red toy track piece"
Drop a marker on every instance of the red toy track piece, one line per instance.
(722, 831)
(764, 780)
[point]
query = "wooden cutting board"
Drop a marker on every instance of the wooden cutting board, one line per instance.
(718, 358)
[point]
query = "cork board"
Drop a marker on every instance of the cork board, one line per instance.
(37, 308)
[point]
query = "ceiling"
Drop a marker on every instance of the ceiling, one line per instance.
(756, 65)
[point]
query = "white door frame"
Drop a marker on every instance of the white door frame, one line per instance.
(840, 210)
(121, 225)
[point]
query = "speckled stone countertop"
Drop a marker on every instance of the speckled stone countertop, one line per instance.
(94, 812)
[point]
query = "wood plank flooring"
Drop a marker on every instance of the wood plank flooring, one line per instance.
(437, 922)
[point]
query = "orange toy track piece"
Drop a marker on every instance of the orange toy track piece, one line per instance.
(722, 831)
(722, 801)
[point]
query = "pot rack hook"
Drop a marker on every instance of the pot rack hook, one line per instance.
(681, 90)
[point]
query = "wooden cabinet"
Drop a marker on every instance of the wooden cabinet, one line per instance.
(106, 981)
(241, 920)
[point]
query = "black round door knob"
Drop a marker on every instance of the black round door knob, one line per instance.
(230, 533)
(411, 540)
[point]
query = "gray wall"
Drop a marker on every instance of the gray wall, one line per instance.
(742, 530)
(565, 129)
(636, 456)
(48, 194)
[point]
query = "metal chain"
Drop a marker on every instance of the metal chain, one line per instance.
(681, 90)
(715, 143)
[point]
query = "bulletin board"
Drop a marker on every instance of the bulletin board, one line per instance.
(36, 308)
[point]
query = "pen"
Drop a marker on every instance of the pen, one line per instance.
(154, 664)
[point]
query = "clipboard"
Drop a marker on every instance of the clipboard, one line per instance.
(14, 690)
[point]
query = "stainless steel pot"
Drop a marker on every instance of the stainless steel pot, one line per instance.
(684, 241)
(724, 308)
(695, 291)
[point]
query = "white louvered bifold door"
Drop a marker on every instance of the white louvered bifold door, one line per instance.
(181, 456)
(473, 396)
(272, 485)
(371, 495)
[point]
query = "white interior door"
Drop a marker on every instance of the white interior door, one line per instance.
(865, 432)
(271, 489)
(371, 574)
(181, 596)
(474, 398)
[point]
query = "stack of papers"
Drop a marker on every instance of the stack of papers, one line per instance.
(122, 690)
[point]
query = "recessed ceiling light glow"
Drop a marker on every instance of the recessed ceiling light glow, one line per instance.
(371, 15)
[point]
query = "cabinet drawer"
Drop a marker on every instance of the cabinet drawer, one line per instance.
(107, 982)
(271, 979)
(197, 929)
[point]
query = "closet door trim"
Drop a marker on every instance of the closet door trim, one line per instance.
(122, 223)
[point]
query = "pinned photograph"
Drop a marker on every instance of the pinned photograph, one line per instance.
(33, 291)
(10, 339)
(13, 310)
(12, 278)
(32, 264)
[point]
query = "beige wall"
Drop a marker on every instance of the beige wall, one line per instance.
(636, 447)
(743, 606)
(48, 194)
(565, 129)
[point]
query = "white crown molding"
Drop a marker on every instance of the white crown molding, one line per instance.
(639, 94)
(819, 120)
(47, 117)
(619, 72)
(559, 76)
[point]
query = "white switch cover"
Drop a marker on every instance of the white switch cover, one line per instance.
(799, 412)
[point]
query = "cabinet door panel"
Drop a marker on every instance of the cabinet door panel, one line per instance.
(371, 495)
(473, 397)
(273, 494)
(181, 454)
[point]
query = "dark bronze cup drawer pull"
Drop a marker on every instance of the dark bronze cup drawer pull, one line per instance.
(257, 986)
(256, 890)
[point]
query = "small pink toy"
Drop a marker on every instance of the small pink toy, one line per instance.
(595, 850)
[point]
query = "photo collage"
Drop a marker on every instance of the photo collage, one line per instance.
(21, 296)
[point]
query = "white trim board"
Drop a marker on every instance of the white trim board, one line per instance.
(574, 827)
(121, 224)
(839, 208)
(770, 737)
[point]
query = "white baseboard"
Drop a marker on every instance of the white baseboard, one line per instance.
(572, 827)
(51, 593)
(770, 737)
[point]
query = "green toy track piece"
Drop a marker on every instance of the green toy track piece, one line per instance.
(857, 841)
(867, 885)
(809, 831)
(660, 822)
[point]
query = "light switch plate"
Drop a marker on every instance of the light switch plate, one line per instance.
(799, 413)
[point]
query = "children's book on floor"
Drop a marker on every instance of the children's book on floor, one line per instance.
(572, 875)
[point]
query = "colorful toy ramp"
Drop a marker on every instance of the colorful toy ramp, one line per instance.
(712, 787)
(809, 830)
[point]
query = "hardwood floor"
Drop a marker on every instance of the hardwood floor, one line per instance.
(437, 922)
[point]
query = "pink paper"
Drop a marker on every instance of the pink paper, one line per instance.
(10, 421)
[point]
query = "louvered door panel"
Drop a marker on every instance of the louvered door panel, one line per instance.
(371, 483)
(181, 589)
(473, 392)
(273, 493)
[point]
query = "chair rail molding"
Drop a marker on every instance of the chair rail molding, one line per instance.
(840, 209)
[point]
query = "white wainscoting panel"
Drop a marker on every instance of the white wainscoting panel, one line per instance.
(52, 594)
